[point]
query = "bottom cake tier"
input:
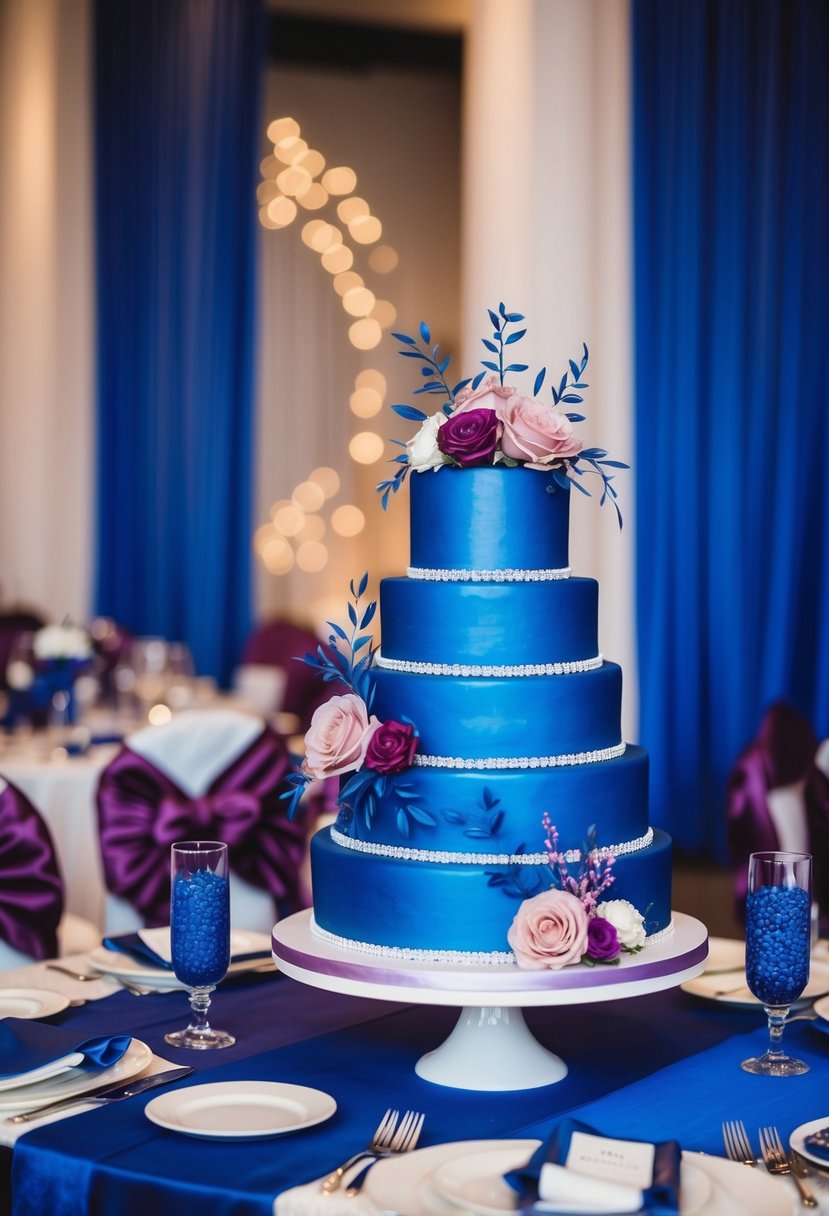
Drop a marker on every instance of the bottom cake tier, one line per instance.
(443, 911)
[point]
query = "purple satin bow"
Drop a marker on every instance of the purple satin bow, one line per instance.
(141, 812)
(782, 753)
(31, 889)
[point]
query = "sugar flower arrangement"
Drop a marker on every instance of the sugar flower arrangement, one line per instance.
(346, 738)
(566, 924)
(486, 421)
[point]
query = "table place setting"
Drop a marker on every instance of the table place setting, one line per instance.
(144, 958)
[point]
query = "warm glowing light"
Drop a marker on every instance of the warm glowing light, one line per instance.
(312, 529)
(351, 209)
(282, 210)
(277, 556)
(347, 282)
(312, 556)
(365, 334)
(289, 520)
(266, 192)
(310, 230)
(278, 505)
(383, 259)
(291, 149)
(265, 220)
(371, 378)
(384, 313)
(314, 197)
(340, 180)
(365, 402)
(364, 229)
(313, 162)
(159, 715)
(294, 181)
(322, 237)
(282, 128)
(366, 447)
(269, 167)
(327, 479)
(337, 259)
(308, 496)
(348, 520)
(358, 302)
(261, 537)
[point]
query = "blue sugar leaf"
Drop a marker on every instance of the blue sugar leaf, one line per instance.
(502, 310)
(516, 337)
(493, 367)
(444, 363)
(562, 385)
(359, 643)
(338, 629)
(517, 367)
(453, 817)
(402, 823)
(583, 489)
(460, 385)
(615, 464)
(539, 381)
(410, 412)
(495, 825)
(404, 338)
(486, 796)
(560, 478)
(424, 817)
(352, 614)
(368, 615)
(476, 833)
(477, 380)
(572, 399)
(384, 500)
(361, 590)
(403, 458)
(574, 369)
(584, 357)
(575, 417)
(490, 345)
(495, 319)
(424, 332)
(515, 316)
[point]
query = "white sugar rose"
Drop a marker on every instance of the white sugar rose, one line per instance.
(424, 453)
(627, 921)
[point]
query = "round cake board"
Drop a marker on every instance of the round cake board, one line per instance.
(491, 1048)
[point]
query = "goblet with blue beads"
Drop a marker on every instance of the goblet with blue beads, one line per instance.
(778, 944)
(200, 934)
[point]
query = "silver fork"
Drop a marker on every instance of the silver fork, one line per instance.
(381, 1139)
(83, 977)
(777, 1161)
(404, 1141)
(737, 1146)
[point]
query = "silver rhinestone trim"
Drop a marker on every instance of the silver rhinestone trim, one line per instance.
(444, 857)
(497, 670)
(522, 762)
(464, 958)
(488, 576)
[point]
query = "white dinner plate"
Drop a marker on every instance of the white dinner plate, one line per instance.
(725, 954)
(474, 1181)
(77, 1081)
(31, 1002)
(798, 1136)
(123, 967)
(226, 1110)
(730, 988)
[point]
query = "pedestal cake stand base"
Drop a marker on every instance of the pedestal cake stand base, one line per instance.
(491, 1048)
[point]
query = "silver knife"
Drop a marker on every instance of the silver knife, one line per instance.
(104, 1094)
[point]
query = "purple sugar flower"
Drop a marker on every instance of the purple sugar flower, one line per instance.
(470, 437)
(602, 940)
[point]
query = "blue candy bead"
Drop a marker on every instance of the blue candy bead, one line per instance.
(200, 928)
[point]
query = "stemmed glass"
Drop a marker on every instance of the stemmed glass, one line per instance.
(778, 944)
(200, 934)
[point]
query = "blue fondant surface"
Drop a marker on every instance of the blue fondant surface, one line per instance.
(488, 519)
(495, 812)
(432, 906)
(488, 623)
(479, 717)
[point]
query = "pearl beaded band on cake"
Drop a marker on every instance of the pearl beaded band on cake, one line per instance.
(474, 958)
(403, 852)
(496, 670)
(501, 762)
(488, 576)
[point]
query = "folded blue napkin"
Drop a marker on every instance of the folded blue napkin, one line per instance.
(587, 1179)
(26, 1045)
(133, 945)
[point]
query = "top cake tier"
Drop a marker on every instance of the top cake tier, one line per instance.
(488, 520)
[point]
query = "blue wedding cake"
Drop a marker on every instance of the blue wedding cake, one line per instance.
(485, 754)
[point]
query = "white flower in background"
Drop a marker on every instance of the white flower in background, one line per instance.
(65, 641)
(423, 449)
(627, 921)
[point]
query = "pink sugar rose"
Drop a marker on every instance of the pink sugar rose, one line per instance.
(489, 395)
(536, 433)
(338, 737)
(549, 931)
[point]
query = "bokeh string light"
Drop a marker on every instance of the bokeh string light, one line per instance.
(296, 180)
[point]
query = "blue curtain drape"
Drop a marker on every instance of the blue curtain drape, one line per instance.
(177, 98)
(731, 198)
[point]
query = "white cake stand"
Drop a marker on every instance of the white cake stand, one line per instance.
(491, 1047)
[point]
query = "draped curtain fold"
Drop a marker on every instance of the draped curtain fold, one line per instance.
(177, 100)
(731, 195)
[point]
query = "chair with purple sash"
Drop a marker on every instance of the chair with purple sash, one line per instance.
(766, 805)
(31, 888)
(210, 774)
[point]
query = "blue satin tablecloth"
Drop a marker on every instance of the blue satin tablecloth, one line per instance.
(654, 1067)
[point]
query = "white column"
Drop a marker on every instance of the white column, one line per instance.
(547, 229)
(46, 311)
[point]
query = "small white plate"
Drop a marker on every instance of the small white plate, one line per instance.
(240, 1109)
(474, 1182)
(77, 1081)
(725, 954)
(123, 967)
(31, 1002)
(798, 1137)
(730, 989)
